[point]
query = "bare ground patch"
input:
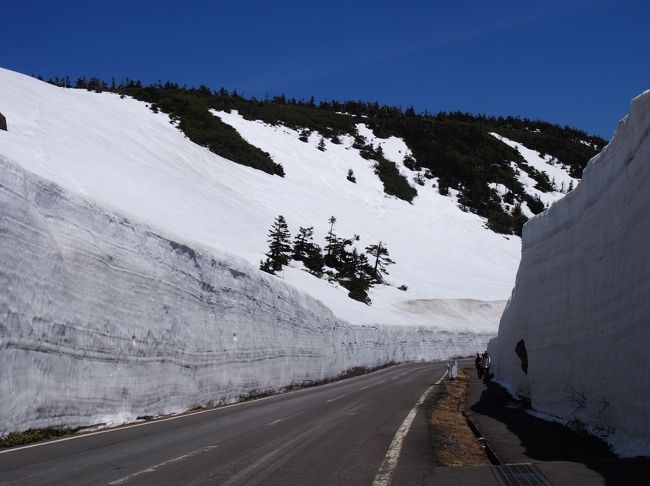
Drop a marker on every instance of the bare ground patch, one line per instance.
(454, 444)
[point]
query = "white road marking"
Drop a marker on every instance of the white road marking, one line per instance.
(270, 459)
(154, 468)
(270, 424)
(363, 388)
(335, 398)
(395, 378)
(387, 469)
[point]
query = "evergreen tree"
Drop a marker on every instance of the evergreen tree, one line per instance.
(570, 186)
(409, 162)
(321, 144)
(518, 219)
(332, 242)
(356, 275)
(351, 177)
(302, 243)
(382, 260)
(279, 247)
(314, 260)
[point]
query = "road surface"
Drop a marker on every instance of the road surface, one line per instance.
(336, 434)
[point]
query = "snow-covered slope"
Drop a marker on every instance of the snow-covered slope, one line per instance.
(581, 303)
(128, 279)
(558, 175)
(120, 154)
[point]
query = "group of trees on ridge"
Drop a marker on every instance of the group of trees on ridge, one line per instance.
(338, 259)
(456, 148)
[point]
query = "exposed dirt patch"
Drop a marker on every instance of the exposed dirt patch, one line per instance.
(454, 444)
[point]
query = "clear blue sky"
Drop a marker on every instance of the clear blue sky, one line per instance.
(571, 62)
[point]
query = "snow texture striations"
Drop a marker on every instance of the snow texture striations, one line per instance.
(581, 302)
(103, 320)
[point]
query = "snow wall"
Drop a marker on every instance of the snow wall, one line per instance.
(581, 301)
(103, 320)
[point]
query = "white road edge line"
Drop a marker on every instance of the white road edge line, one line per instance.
(182, 415)
(363, 388)
(385, 474)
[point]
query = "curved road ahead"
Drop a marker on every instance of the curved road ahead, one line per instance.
(337, 434)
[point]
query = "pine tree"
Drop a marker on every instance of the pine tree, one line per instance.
(279, 247)
(382, 260)
(518, 219)
(314, 260)
(332, 241)
(302, 243)
(570, 186)
(355, 275)
(321, 144)
(351, 177)
(409, 162)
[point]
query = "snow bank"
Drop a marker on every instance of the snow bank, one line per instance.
(103, 319)
(581, 302)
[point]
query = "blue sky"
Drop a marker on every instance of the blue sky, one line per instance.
(571, 62)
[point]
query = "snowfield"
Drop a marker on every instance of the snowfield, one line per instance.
(581, 303)
(128, 266)
(123, 156)
(103, 320)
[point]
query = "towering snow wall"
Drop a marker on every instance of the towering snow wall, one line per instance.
(581, 302)
(103, 320)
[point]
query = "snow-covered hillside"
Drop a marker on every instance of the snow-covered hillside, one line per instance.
(581, 304)
(128, 266)
(120, 154)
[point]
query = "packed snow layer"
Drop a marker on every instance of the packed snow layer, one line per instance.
(103, 320)
(120, 154)
(581, 302)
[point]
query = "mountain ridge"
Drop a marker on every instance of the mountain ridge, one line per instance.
(454, 147)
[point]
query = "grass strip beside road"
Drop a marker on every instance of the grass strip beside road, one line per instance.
(15, 439)
(454, 444)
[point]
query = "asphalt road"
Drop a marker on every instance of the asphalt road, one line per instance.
(337, 434)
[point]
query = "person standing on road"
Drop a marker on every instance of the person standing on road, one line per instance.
(486, 367)
(479, 366)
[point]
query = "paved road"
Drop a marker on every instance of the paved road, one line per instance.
(336, 434)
